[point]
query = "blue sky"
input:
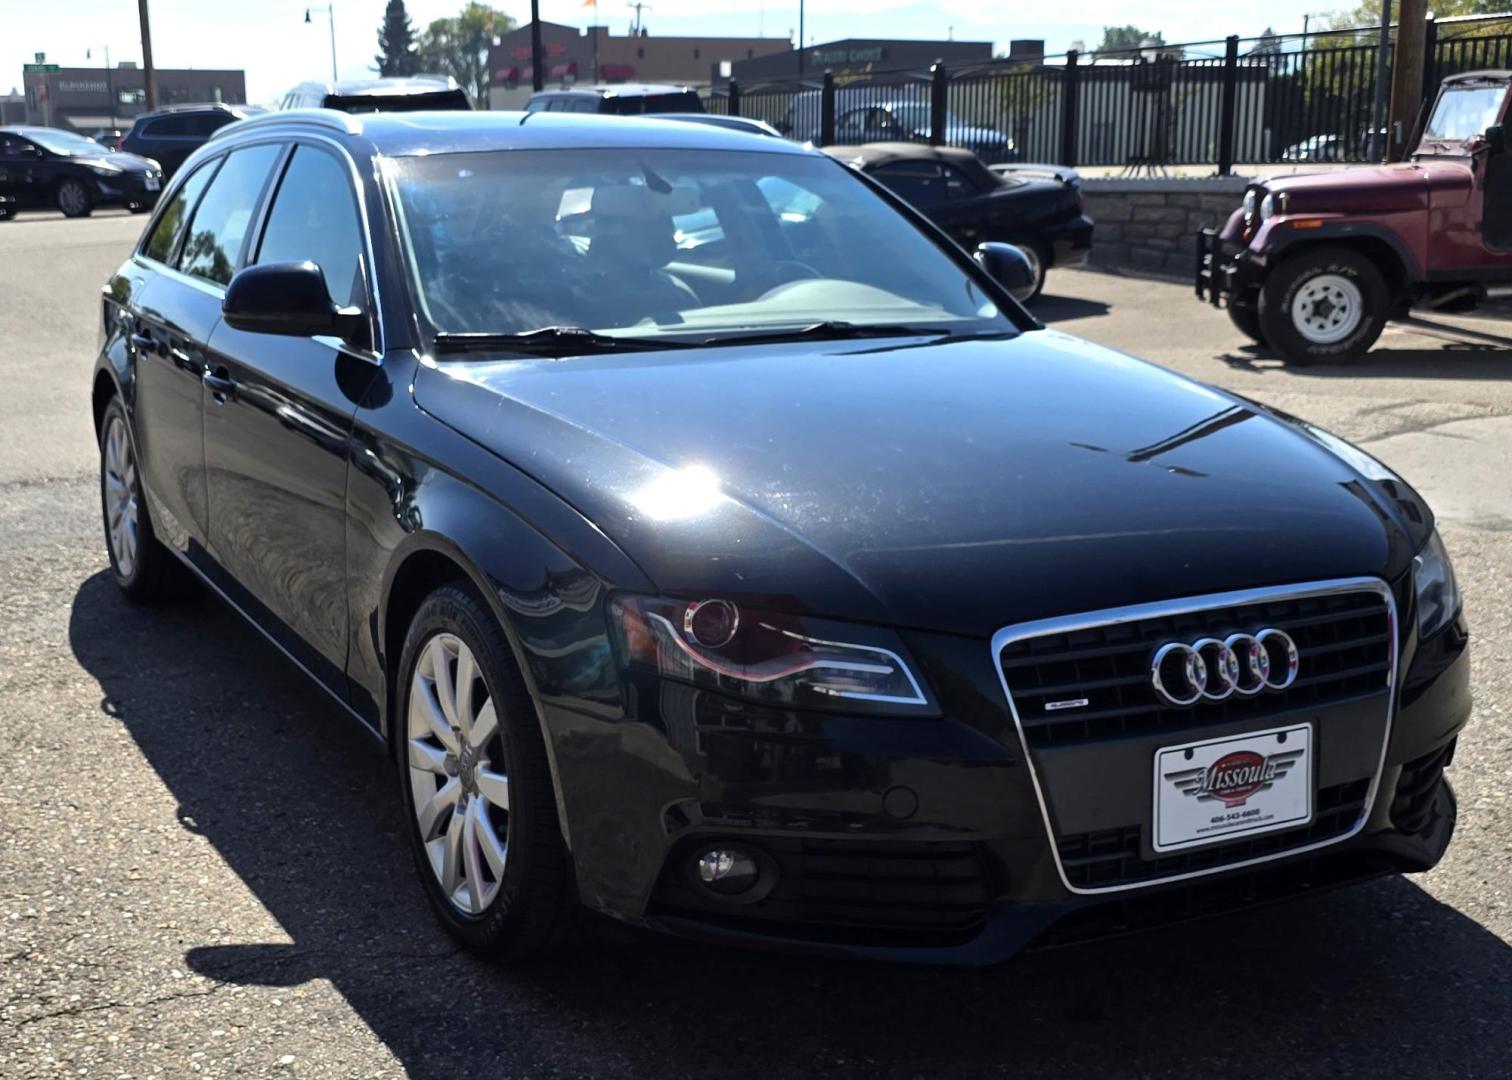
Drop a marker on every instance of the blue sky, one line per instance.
(270, 40)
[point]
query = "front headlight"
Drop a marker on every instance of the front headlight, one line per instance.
(1251, 200)
(1438, 598)
(773, 658)
(1267, 207)
(103, 170)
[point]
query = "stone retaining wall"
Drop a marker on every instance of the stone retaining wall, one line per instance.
(1149, 226)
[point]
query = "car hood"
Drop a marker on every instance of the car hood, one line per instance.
(1376, 189)
(132, 163)
(955, 486)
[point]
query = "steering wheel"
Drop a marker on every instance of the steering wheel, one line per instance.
(783, 272)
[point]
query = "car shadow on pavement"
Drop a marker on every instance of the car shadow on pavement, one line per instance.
(1050, 308)
(1453, 360)
(293, 795)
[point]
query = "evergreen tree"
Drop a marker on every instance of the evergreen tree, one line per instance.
(397, 53)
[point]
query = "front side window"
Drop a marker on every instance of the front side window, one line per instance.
(668, 243)
(165, 234)
(1465, 111)
(918, 182)
(220, 223)
(13, 146)
(314, 217)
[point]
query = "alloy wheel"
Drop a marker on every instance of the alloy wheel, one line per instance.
(458, 781)
(121, 498)
(1327, 309)
(72, 198)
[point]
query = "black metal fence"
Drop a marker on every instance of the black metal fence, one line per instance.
(1260, 100)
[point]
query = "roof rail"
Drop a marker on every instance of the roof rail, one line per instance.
(345, 123)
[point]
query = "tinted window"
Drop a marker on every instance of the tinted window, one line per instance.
(220, 223)
(207, 123)
(535, 104)
(165, 234)
(168, 126)
(314, 217)
(13, 146)
(919, 182)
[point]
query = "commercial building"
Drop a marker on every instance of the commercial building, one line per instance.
(597, 56)
(87, 98)
(857, 57)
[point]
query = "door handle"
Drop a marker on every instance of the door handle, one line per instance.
(143, 342)
(221, 387)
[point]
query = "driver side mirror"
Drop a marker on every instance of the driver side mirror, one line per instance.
(288, 298)
(1008, 266)
(1496, 139)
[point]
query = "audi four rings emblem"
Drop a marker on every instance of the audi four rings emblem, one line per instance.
(1212, 669)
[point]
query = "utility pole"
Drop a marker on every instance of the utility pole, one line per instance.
(537, 52)
(1407, 76)
(149, 73)
(1379, 143)
(800, 39)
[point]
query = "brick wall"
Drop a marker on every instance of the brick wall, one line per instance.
(1148, 226)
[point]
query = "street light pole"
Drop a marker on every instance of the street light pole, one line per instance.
(1378, 142)
(330, 14)
(537, 51)
(149, 73)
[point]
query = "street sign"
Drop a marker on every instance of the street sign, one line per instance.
(38, 69)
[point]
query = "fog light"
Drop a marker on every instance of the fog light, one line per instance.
(727, 871)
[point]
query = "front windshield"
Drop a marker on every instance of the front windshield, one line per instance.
(676, 243)
(1465, 112)
(66, 143)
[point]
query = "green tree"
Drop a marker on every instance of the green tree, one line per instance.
(1127, 42)
(459, 47)
(1368, 13)
(397, 54)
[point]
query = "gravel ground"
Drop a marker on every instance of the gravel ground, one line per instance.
(202, 873)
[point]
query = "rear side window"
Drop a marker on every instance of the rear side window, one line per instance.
(169, 126)
(208, 123)
(220, 223)
(166, 232)
(314, 217)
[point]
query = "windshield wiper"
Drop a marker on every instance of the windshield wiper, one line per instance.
(552, 341)
(830, 330)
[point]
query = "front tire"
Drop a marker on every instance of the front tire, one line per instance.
(1325, 305)
(74, 199)
(138, 562)
(476, 784)
(1246, 320)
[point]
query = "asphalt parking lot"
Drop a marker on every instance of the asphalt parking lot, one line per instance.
(202, 871)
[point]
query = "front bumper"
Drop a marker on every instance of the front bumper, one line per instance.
(1224, 269)
(924, 841)
(128, 189)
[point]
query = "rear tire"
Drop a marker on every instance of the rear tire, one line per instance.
(473, 762)
(140, 565)
(1325, 305)
(74, 199)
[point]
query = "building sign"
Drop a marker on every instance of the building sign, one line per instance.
(82, 86)
(869, 55)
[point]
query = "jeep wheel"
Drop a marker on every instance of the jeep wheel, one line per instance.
(1324, 305)
(1246, 320)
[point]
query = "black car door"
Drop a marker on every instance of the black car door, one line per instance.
(20, 160)
(278, 419)
(178, 312)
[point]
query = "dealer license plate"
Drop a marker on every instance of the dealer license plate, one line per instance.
(151, 183)
(1222, 789)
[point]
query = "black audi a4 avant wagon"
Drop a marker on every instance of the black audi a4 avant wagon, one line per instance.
(715, 545)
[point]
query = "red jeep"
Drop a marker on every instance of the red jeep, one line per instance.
(1314, 265)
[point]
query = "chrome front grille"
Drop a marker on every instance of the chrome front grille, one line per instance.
(1344, 642)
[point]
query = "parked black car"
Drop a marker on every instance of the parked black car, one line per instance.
(49, 167)
(619, 99)
(171, 134)
(793, 587)
(387, 93)
(1036, 207)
